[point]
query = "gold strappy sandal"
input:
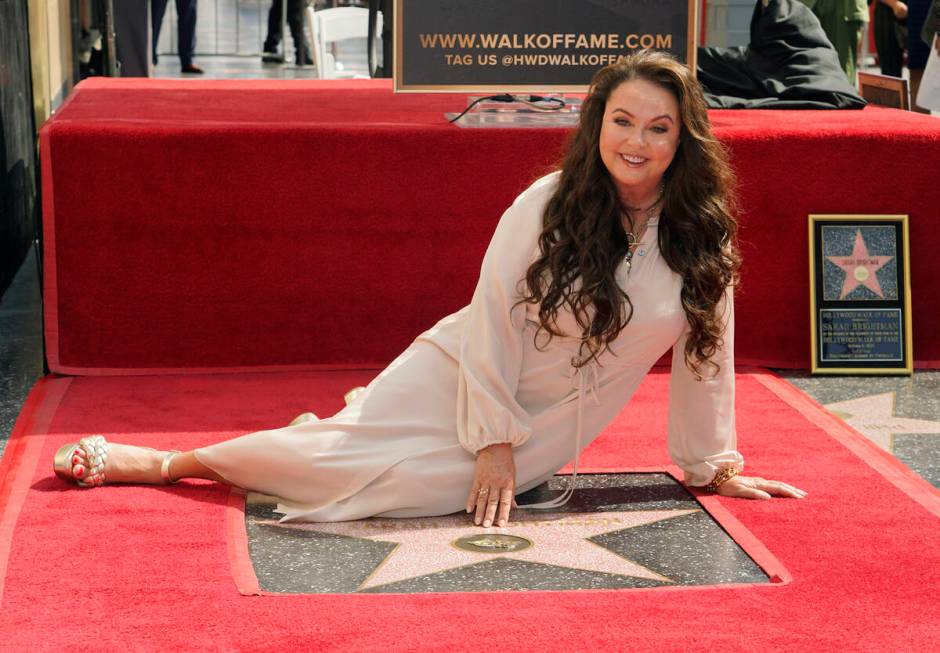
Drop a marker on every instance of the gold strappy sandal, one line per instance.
(95, 448)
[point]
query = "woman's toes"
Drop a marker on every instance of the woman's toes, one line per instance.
(79, 466)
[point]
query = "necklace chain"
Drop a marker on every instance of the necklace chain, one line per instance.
(633, 235)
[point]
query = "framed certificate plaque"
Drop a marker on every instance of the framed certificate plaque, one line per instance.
(860, 294)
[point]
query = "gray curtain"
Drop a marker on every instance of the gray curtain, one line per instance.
(132, 37)
(18, 206)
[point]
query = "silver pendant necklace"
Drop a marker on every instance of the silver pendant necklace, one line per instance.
(632, 236)
(628, 257)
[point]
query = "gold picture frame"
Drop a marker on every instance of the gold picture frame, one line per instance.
(860, 294)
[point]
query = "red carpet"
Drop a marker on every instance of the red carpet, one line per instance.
(255, 225)
(148, 568)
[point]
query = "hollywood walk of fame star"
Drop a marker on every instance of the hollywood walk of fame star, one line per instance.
(874, 417)
(860, 268)
(426, 546)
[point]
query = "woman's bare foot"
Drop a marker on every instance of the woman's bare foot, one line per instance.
(125, 464)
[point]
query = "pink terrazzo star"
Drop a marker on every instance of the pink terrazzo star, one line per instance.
(874, 417)
(426, 546)
(860, 268)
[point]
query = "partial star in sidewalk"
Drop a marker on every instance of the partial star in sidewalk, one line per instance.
(874, 417)
(428, 546)
(860, 268)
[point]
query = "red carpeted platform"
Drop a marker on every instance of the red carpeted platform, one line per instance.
(285, 233)
(150, 568)
(266, 225)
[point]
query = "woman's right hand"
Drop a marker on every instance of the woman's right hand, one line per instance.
(900, 10)
(494, 484)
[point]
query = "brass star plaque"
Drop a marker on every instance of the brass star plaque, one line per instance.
(492, 543)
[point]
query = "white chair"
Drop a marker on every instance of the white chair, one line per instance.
(328, 26)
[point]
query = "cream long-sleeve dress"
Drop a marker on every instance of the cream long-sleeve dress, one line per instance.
(405, 447)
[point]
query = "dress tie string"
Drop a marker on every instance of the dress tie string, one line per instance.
(587, 383)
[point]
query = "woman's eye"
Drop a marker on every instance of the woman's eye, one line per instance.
(622, 121)
(660, 129)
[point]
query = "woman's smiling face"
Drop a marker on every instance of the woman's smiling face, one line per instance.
(639, 136)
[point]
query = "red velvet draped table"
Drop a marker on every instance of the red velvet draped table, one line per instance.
(238, 225)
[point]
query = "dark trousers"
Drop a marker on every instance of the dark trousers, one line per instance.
(890, 49)
(186, 27)
(295, 19)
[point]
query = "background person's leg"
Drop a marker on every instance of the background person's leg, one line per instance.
(274, 35)
(295, 18)
(917, 50)
(157, 12)
(916, 75)
(854, 31)
(890, 52)
(186, 31)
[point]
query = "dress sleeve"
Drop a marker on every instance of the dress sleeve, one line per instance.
(702, 436)
(491, 343)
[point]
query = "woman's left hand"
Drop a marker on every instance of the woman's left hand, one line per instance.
(753, 487)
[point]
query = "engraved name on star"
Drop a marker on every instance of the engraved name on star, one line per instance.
(426, 546)
(860, 268)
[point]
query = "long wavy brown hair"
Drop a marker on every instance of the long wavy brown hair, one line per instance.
(583, 239)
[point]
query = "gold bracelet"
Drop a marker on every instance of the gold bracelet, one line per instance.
(721, 476)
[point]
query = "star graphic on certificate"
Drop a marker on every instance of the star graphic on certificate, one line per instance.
(434, 544)
(860, 268)
(874, 417)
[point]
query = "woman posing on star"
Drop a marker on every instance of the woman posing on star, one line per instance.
(593, 273)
